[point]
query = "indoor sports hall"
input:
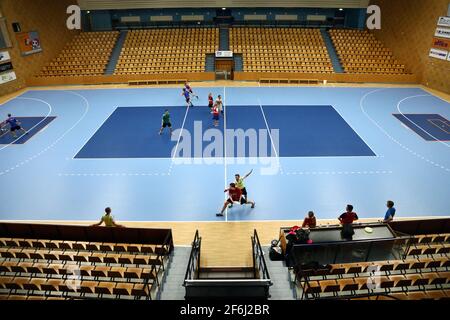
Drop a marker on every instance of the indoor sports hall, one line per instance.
(150, 109)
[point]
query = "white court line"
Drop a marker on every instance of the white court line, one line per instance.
(225, 147)
(361, 104)
(178, 141)
(270, 135)
(29, 130)
(92, 135)
(355, 172)
(412, 97)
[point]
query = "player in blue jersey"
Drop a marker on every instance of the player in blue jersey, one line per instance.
(187, 96)
(188, 87)
(14, 125)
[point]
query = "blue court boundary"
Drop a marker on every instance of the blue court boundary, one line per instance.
(306, 131)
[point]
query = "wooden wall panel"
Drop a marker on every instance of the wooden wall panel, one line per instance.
(330, 77)
(46, 17)
(407, 28)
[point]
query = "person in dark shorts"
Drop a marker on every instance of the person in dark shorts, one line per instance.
(166, 122)
(347, 219)
(234, 195)
(210, 101)
(14, 126)
(215, 112)
(240, 182)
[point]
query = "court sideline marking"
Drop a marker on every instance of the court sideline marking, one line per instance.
(225, 147)
(361, 104)
(270, 135)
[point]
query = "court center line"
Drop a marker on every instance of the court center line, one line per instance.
(225, 147)
(361, 104)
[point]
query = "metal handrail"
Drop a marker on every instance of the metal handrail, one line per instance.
(258, 256)
(194, 258)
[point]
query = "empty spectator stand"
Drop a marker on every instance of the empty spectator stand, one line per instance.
(42, 261)
(360, 52)
(86, 55)
(293, 50)
(163, 51)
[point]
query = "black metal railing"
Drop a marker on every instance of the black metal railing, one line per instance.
(259, 262)
(194, 259)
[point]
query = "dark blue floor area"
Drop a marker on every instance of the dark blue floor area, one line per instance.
(247, 124)
(31, 124)
(303, 131)
(314, 131)
(431, 127)
(132, 132)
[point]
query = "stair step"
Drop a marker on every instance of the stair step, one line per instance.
(332, 51)
(114, 58)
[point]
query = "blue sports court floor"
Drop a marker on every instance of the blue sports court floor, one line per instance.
(316, 149)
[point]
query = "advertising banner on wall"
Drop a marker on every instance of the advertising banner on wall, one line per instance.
(439, 43)
(7, 77)
(439, 54)
(442, 33)
(224, 54)
(29, 42)
(444, 22)
(4, 56)
(6, 67)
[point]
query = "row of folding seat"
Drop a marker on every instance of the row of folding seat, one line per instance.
(429, 249)
(95, 271)
(35, 285)
(85, 257)
(430, 238)
(351, 285)
(352, 269)
(82, 245)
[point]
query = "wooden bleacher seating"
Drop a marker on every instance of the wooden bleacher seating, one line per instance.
(361, 53)
(163, 51)
(296, 50)
(73, 269)
(422, 275)
(86, 55)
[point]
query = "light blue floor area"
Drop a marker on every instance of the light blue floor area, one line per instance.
(41, 179)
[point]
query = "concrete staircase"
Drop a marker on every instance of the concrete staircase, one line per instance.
(116, 53)
(210, 65)
(332, 52)
(238, 62)
(282, 287)
(172, 286)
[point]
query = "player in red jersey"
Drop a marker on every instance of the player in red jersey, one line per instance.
(234, 195)
(216, 113)
(210, 101)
